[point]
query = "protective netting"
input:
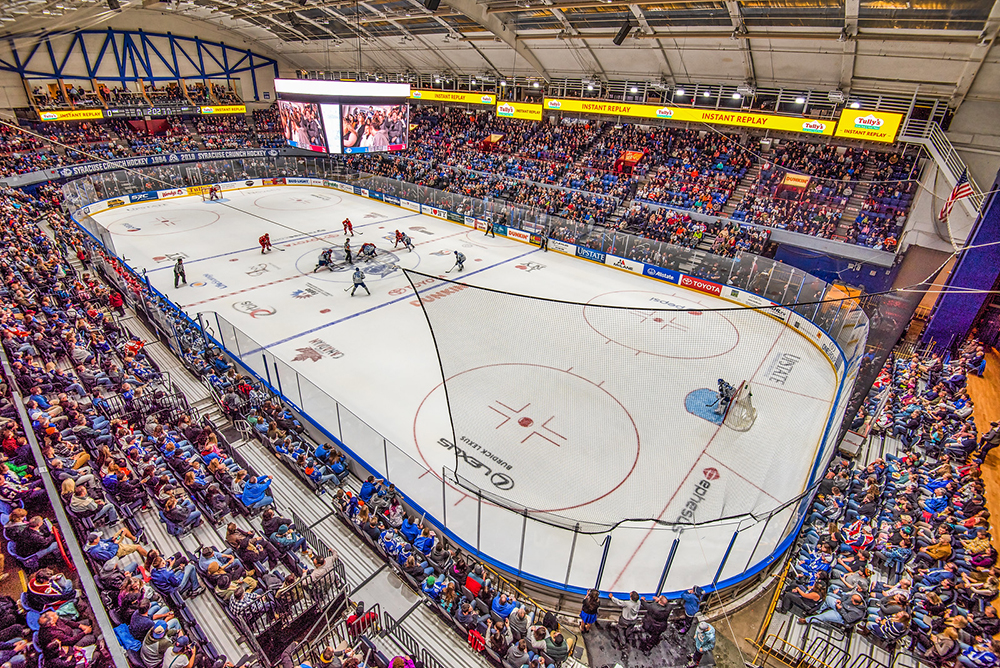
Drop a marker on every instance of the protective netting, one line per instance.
(595, 413)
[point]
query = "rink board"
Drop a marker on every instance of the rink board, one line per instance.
(376, 357)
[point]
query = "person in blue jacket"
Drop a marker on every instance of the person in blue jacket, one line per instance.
(433, 587)
(339, 468)
(692, 603)
(410, 530)
(255, 493)
(503, 606)
(175, 575)
(425, 542)
(369, 488)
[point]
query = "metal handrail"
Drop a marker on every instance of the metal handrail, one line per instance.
(787, 653)
(929, 133)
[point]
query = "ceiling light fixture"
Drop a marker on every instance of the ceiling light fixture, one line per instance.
(707, 93)
(800, 100)
(736, 96)
(590, 86)
(679, 92)
(855, 105)
(633, 89)
(534, 85)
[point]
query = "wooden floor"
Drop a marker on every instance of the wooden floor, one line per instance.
(985, 393)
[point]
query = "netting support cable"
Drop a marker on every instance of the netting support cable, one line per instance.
(444, 387)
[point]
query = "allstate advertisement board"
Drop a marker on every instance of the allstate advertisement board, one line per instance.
(623, 263)
(668, 275)
(590, 254)
(407, 204)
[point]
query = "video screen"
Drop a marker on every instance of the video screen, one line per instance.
(302, 125)
(368, 128)
(331, 121)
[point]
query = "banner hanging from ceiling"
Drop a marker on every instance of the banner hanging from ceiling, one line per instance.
(869, 125)
(684, 114)
(465, 97)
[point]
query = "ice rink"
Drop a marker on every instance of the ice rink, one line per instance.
(581, 413)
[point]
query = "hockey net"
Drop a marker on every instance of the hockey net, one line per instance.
(206, 191)
(740, 413)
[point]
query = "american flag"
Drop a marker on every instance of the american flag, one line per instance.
(962, 189)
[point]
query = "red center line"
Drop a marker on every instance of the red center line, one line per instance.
(688, 474)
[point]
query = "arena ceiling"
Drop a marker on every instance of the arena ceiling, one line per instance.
(933, 47)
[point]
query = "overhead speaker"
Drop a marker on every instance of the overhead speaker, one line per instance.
(622, 33)
(432, 5)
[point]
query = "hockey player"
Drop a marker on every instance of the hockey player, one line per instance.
(347, 251)
(367, 252)
(725, 395)
(407, 242)
(214, 192)
(399, 238)
(179, 276)
(348, 227)
(265, 242)
(459, 260)
(324, 260)
(359, 281)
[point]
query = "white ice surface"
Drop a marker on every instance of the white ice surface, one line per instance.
(584, 405)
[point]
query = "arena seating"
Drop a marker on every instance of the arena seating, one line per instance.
(225, 132)
(908, 535)
(480, 154)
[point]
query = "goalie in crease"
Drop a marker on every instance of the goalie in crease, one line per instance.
(725, 395)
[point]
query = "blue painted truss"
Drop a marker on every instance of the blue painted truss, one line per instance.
(123, 56)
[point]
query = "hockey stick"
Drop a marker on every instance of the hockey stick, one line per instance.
(450, 270)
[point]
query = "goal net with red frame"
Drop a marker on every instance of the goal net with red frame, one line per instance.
(740, 413)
